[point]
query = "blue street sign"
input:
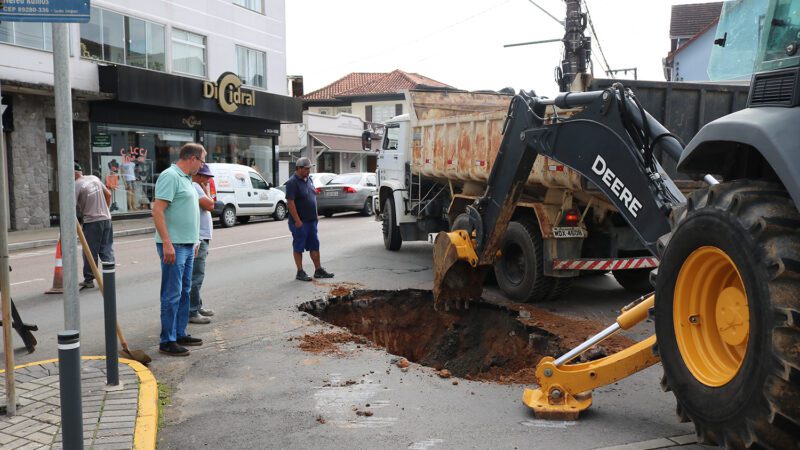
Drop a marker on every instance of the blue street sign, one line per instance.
(66, 11)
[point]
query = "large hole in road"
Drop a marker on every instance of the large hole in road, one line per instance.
(489, 341)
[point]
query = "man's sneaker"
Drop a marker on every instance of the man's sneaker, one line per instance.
(206, 312)
(322, 273)
(89, 284)
(173, 349)
(188, 340)
(199, 319)
(302, 276)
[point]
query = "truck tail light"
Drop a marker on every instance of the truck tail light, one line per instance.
(572, 218)
(349, 190)
(212, 188)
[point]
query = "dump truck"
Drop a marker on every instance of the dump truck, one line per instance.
(726, 302)
(436, 160)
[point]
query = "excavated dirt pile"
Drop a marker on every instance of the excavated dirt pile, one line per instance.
(491, 342)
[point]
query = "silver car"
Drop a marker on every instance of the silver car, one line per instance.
(347, 192)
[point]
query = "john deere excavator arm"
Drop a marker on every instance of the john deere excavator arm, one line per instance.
(611, 143)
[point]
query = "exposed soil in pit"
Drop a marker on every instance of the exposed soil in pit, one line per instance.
(489, 341)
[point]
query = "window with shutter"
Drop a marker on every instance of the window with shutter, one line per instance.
(398, 109)
(368, 113)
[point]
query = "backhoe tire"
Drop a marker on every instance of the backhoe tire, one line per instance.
(635, 281)
(391, 231)
(727, 315)
(519, 269)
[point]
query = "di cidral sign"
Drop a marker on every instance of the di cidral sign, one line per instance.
(228, 92)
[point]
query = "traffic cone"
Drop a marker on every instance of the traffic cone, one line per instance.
(58, 276)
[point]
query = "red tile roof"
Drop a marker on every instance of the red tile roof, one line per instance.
(688, 20)
(357, 84)
(345, 83)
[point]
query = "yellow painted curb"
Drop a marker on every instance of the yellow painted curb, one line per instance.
(144, 434)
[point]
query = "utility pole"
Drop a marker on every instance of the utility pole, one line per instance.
(571, 75)
(5, 282)
(577, 49)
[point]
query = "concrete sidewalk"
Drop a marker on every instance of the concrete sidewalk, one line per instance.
(123, 419)
(18, 240)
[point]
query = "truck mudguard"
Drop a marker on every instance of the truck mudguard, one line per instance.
(771, 131)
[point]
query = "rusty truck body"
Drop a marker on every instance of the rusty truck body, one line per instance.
(434, 161)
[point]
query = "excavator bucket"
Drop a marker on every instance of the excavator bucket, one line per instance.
(457, 277)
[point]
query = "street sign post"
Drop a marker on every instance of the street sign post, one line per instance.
(59, 12)
(65, 11)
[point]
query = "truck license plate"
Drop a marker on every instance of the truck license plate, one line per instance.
(568, 232)
(331, 193)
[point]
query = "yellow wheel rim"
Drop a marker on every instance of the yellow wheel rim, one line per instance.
(711, 316)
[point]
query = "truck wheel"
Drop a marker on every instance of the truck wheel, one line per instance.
(519, 268)
(727, 315)
(228, 217)
(559, 288)
(391, 232)
(636, 281)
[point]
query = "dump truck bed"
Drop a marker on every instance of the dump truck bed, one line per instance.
(455, 137)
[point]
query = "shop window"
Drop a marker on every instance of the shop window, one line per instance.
(112, 37)
(27, 34)
(128, 160)
(188, 53)
(252, 66)
(253, 5)
(251, 151)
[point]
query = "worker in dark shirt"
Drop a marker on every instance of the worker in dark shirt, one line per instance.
(302, 198)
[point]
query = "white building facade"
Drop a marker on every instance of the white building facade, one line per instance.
(147, 76)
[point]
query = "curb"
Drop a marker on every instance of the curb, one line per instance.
(146, 428)
(49, 242)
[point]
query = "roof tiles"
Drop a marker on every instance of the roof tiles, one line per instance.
(359, 83)
(690, 19)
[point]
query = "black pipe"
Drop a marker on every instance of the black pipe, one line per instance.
(69, 381)
(575, 99)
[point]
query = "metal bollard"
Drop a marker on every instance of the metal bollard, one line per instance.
(69, 380)
(110, 310)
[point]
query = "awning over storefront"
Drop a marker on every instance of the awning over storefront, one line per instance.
(339, 143)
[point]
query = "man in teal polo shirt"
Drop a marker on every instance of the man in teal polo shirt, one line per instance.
(177, 222)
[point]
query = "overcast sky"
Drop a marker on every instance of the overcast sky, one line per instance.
(460, 42)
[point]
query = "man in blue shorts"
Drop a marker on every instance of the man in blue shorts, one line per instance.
(302, 198)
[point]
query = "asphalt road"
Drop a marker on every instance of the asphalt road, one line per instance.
(250, 387)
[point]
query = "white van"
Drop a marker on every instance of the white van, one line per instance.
(244, 193)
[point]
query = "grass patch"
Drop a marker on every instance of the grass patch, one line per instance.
(164, 399)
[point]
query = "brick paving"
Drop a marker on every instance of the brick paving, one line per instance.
(109, 417)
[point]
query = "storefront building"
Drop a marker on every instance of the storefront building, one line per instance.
(146, 78)
(139, 133)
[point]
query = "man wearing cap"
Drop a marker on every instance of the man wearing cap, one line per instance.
(198, 314)
(92, 199)
(302, 198)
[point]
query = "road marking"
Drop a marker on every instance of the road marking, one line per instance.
(251, 242)
(539, 423)
(32, 254)
(28, 281)
(135, 240)
(426, 444)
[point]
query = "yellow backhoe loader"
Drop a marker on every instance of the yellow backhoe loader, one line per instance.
(726, 300)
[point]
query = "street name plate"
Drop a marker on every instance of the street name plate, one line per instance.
(65, 11)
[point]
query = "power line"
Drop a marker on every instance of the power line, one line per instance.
(596, 39)
(560, 22)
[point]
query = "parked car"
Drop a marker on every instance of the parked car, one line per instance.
(319, 179)
(347, 192)
(244, 193)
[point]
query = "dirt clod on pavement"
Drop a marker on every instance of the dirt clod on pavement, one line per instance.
(444, 373)
(328, 342)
